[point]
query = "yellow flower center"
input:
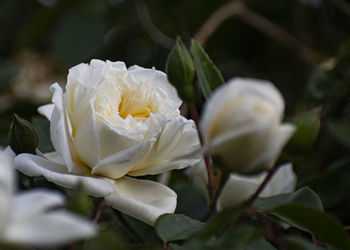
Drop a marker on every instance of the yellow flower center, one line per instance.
(132, 104)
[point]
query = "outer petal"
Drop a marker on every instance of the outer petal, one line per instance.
(34, 202)
(46, 110)
(279, 138)
(33, 165)
(6, 186)
(142, 199)
(58, 129)
(239, 188)
(48, 229)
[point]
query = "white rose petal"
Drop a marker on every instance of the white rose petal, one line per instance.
(112, 122)
(241, 125)
(239, 188)
(29, 219)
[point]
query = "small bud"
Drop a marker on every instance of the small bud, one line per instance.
(180, 71)
(23, 137)
(307, 128)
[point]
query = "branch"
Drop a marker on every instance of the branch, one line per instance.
(146, 21)
(239, 9)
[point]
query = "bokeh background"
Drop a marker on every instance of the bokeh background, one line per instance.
(306, 53)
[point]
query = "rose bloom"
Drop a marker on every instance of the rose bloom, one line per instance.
(239, 188)
(28, 218)
(110, 124)
(241, 125)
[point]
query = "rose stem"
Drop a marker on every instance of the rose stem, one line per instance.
(31, 182)
(98, 210)
(263, 184)
(195, 116)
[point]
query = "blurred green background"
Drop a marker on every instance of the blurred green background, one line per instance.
(40, 40)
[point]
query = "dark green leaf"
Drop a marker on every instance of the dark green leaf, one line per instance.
(242, 236)
(341, 131)
(259, 244)
(106, 240)
(78, 201)
(307, 128)
(297, 243)
(325, 227)
(170, 227)
(209, 77)
(180, 71)
(304, 196)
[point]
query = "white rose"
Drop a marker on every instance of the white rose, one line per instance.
(27, 218)
(111, 123)
(241, 124)
(239, 188)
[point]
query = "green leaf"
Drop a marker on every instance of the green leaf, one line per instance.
(106, 240)
(304, 196)
(78, 201)
(242, 236)
(209, 77)
(170, 227)
(325, 227)
(260, 244)
(341, 131)
(307, 128)
(297, 243)
(180, 71)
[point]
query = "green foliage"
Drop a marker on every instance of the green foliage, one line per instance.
(79, 202)
(172, 227)
(307, 129)
(209, 76)
(304, 196)
(23, 137)
(180, 71)
(341, 131)
(324, 226)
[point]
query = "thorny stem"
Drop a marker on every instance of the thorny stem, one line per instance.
(98, 210)
(268, 177)
(195, 116)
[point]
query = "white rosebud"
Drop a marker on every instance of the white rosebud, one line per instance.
(112, 123)
(241, 125)
(239, 188)
(27, 218)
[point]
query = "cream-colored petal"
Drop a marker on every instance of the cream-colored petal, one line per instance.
(279, 139)
(142, 199)
(158, 79)
(50, 229)
(35, 202)
(118, 164)
(283, 181)
(33, 165)
(58, 129)
(46, 110)
(237, 190)
(7, 180)
(178, 137)
(86, 141)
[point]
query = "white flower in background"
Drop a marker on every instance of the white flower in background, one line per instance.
(241, 124)
(239, 188)
(112, 123)
(26, 218)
